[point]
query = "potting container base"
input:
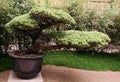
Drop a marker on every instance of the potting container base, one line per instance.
(13, 78)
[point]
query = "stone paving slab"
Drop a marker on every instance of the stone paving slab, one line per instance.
(13, 78)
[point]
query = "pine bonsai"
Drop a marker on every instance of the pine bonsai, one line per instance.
(39, 18)
(33, 23)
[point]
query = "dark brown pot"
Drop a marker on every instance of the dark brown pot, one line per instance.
(27, 67)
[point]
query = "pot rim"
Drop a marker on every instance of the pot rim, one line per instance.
(12, 54)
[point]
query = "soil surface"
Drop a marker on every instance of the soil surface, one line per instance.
(51, 73)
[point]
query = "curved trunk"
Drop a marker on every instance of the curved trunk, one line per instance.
(37, 46)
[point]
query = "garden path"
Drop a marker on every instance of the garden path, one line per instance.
(53, 73)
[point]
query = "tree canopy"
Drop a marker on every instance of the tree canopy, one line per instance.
(40, 18)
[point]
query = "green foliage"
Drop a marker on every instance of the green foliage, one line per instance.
(32, 23)
(23, 22)
(8, 10)
(4, 13)
(114, 30)
(82, 39)
(4, 17)
(92, 19)
(52, 15)
(112, 15)
(19, 7)
(44, 17)
(87, 19)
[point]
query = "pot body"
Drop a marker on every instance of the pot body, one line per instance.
(27, 68)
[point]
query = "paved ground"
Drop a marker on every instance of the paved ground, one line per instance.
(53, 73)
(4, 76)
(63, 74)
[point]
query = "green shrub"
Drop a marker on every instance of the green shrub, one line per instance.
(18, 7)
(82, 39)
(87, 19)
(106, 21)
(4, 17)
(8, 10)
(114, 30)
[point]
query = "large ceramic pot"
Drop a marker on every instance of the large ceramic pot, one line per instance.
(27, 67)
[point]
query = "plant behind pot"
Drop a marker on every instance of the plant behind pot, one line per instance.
(28, 63)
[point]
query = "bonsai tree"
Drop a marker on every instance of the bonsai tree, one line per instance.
(33, 23)
(28, 63)
(39, 18)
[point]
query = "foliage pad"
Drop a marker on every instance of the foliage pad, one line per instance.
(52, 15)
(83, 39)
(40, 17)
(23, 22)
